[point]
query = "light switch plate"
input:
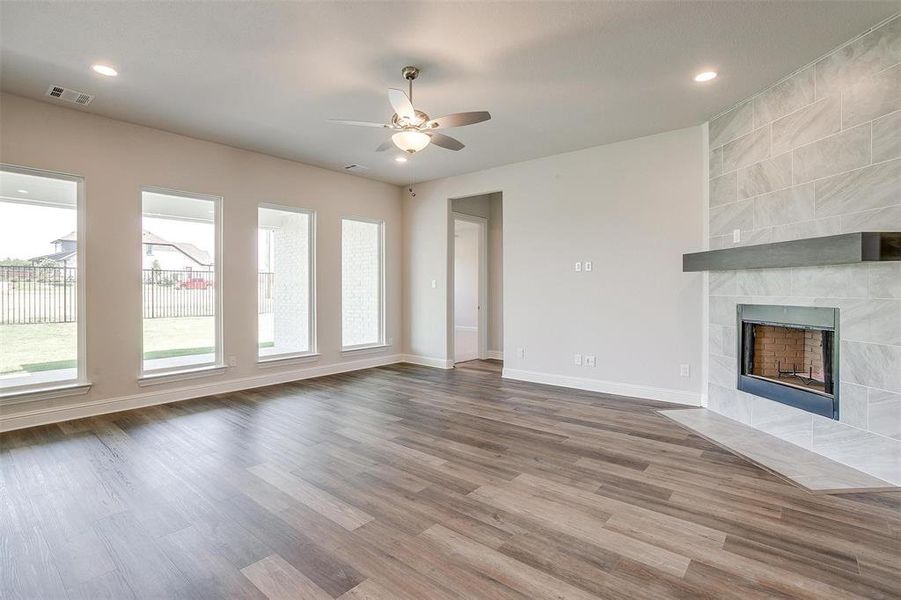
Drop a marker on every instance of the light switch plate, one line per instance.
(434, 283)
(684, 370)
(577, 360)
(587, 265)
(578, 267)
(590, 361)
(736, 236)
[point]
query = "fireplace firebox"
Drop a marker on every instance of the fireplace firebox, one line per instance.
(790, 354)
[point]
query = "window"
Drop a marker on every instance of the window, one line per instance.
(362, 276)
(285, 282)
(180, 281)
(41, 291)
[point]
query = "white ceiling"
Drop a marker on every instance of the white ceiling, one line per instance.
(556, 76)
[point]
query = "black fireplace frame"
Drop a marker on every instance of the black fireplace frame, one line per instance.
(808, 317)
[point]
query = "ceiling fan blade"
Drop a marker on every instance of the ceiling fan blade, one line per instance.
(401, 104)
(359, 123)
(446, 141)
(386, 145)
(459, 119)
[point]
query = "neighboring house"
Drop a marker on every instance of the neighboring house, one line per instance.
(157, 253)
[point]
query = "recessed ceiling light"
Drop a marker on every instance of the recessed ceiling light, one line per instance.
(400, 159)
(22, 191)
(105, 70)
(705, 76)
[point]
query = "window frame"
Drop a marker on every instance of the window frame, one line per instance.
(80, 384)
(382, 320)
(312, 324)
(218, 364)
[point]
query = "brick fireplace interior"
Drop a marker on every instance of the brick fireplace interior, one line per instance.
(789, 355)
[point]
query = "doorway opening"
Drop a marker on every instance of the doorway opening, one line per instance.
(476, 318)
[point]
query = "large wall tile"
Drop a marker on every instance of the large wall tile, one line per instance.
(865, 56)
(785, 97)
(782, 421)
(872, 365)
(835, 154)
(808, 124)
(747, 150)
(786, 206)
(715, 167)
(881, 219)
(887, 137)
(830, 282)
(722, 310)
(764, 282)
(722, 340)
(853, 405)
(885, 413)
(871, 98)
(722, 283)
(724, 190)
(807, 229)
(874, 454)
(885, 280)
(870, 321)
(729, 403)
(875, 186)
(766, 176)
(738, 215)
(730, 125)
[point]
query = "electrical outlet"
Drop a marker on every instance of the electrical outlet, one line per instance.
(587, 265)
(590, 361)
(520, 352)
(578, 267)
(736, 236)
(577, 360)
(233, 361)
(684, 371)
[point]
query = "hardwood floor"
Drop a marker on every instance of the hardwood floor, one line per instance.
(415, 483)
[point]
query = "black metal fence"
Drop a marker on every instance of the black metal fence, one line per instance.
(38, 294)
(48, 294)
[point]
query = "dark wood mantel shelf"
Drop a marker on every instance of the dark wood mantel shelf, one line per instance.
(847, 248)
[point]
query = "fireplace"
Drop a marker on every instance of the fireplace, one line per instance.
(790, 354)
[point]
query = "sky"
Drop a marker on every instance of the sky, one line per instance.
(27, 231)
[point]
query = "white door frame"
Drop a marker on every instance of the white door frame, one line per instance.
(482, 222)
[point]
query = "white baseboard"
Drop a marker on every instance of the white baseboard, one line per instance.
(427, 361)
(496, 354)
(55, 414)
(606, 387)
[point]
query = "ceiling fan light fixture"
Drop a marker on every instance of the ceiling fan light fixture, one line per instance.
(410, 141)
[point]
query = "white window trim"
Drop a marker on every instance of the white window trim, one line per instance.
(383, 326)
(196, 369)
(80, 384)
(312, 324)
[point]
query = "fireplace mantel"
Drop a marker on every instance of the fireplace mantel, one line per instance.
(847, 248)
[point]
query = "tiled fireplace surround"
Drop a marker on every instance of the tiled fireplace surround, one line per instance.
(817, 154)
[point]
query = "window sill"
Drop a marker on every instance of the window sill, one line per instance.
(168, 376)
(44, 393)
(289, 359)
(374, 348)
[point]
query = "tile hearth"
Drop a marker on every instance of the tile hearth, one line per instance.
(813, 472)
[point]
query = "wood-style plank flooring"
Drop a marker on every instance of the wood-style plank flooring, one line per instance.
(414, 483)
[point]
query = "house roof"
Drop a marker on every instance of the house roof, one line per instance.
(56, 256)
(201, 257)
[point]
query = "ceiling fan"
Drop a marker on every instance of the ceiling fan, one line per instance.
(414, 129)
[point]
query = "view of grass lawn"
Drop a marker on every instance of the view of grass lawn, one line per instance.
(46, 346)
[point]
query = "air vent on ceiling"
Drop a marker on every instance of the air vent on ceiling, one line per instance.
(354, 168)
(67, 95)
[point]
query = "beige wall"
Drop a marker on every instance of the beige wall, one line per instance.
(116, 158)
(632, 208)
